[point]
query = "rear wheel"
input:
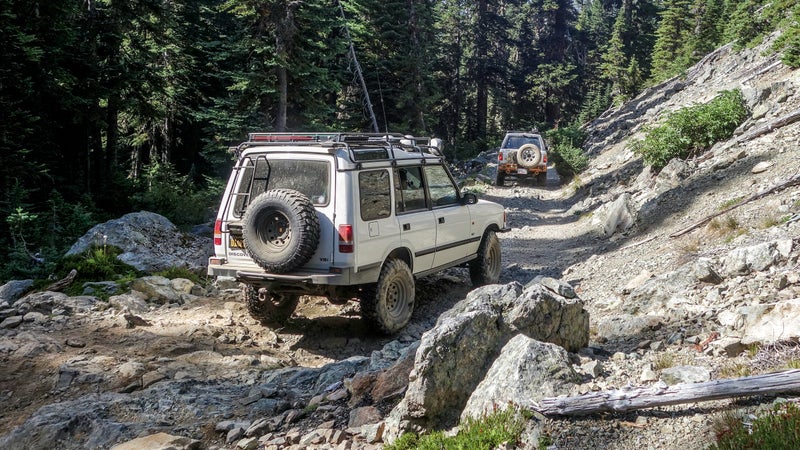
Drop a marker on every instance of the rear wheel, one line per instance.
(485, 269)
(388, 304)
(500, 180)
(267, 307)
(541, 178)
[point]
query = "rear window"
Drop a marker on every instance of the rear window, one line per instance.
(519, 141)
(258, 175)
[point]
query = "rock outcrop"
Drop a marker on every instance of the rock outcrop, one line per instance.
(150, 243)
(455, 356)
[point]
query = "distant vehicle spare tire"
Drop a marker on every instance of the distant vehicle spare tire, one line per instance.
(280, 230)
(529, 156)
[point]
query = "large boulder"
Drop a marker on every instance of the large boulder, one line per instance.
(13, 290)
(454, 356)
(526, 371)
(744, 260)
(149, 242)
(780, 323)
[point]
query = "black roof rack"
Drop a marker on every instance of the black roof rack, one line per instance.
(351, 141)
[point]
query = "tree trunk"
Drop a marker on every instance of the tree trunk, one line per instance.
(283, 98)
(655, 396)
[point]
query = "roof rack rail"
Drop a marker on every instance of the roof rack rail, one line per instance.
(394, 141)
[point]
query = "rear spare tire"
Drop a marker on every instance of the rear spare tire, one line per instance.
(280, 230)
(529, 156)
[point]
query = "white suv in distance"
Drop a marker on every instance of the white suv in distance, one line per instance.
(348, 216)
(522, 155)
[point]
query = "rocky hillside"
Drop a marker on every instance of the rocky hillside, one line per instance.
(618, 278)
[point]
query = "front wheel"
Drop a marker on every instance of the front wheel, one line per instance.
(269, 308)
(485, 269)
(388, 304)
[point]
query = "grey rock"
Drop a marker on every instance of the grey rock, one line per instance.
(625, 325)
(160, 441)
(615, 216)
(14, 289)
(592, 368)
(744, 260)
(559, 287)
(781, 322)
(11, 322)
(526, 371)
(157, 289)
(100, 288)
(132, 302)
(363, 416)
(234, 434)
(149, 242)
(454, 356)
(685, 374)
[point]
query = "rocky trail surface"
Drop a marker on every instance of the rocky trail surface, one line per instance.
(599, 282)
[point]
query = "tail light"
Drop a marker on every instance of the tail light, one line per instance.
(218, 232)
(499, 156)
(346, 239)
(544, 158)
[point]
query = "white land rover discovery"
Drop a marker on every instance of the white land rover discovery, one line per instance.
(348, 216)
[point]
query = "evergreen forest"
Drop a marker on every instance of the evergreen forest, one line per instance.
(110, 106)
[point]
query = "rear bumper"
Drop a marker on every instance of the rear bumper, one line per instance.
(515, 169)
(257, 277)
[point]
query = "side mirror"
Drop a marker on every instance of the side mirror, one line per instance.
(469, 198)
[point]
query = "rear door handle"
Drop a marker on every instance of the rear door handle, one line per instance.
(441, 219)
(406, 226)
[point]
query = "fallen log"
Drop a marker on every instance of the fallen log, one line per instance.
(663, 395)
(795, 180)
(780, 122)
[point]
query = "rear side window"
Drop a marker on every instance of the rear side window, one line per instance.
(374, 195)
(409, 189)
(259, 174)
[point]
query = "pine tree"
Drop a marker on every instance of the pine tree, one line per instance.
(671, 53)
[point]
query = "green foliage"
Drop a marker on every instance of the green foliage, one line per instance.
(789, 42)
(176, 197)
(486, 433)
(776, 429)
(566, 152)
(97, 263)
(690, 130)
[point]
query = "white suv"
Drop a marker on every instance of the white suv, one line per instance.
(521, 156)
(348, 216)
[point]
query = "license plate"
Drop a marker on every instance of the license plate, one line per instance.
(522, 171)
(235, 243)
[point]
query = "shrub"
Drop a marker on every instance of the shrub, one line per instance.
(566, 152)
(176, 196)
(95, 264)
(487, 432)
(778, 428)
(689, 131)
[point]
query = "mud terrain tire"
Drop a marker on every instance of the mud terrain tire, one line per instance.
(485, 269)
(280, 230)
(387, 305)
(529, 156)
